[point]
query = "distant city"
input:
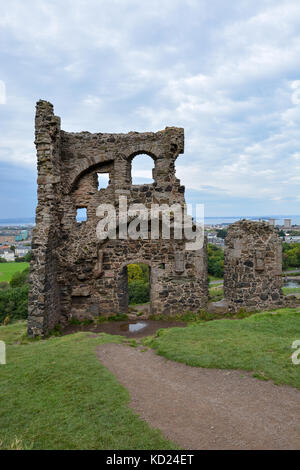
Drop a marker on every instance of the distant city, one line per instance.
(222, 220)
(279, 219)
(288, 227)
(16, 234)
(15, 243)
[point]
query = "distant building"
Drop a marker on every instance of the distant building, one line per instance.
(287, 223)
(7, 254)
(214, 240)
(21, 250)
(6, 239)
(292, 239)
(22, 236)
(272, 222)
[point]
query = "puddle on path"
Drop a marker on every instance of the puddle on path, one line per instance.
(132, 329)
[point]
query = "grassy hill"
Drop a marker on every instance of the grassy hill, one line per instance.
(8, 269)
(56, 394)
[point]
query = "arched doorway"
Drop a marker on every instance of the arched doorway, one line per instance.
(134, 288)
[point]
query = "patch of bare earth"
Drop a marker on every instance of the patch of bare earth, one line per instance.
(206, 408)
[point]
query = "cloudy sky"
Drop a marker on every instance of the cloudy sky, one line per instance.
(228, 72)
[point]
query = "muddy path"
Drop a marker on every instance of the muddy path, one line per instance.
(205, 408)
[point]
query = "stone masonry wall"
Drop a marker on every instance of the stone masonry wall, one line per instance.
(74, 275)
(252, 266)
(44, 295)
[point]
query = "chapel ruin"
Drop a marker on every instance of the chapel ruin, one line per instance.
(74, 275)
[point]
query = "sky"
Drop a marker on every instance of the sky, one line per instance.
(228, 72)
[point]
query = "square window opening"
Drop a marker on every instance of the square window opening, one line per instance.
(81, 215)
(103, 180)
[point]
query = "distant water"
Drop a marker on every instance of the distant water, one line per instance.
(17, 221)
(208, 220)
(230, 220)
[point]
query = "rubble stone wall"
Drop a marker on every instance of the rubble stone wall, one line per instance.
(73, 274)
(76, 275)
(252, 266)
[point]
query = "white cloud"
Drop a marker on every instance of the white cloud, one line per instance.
(2, 92)
(295, 85)
(91, 100)
(228, 74)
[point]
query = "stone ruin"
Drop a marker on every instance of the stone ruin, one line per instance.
(74, 275)
(252, 266)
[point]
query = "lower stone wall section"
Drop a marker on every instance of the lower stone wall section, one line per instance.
(252, 266)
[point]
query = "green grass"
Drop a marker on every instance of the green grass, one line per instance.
(290, 274)
(8, 269)
(15, 332)
(292, 268)
(56, 394)
(214, 278)
(291, 290)
(216, 293)
(260, 343)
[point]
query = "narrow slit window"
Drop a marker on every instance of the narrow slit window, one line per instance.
(103, 180)
(81, 215)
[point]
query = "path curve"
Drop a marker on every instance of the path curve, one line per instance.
(205, 408)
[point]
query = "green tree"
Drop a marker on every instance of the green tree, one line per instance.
(291, 255)
(215, 260)
(135, 272)
(138, 292)
(14, 303)
(20, 278)
(138, 283)
(221, 233)
(4, 285)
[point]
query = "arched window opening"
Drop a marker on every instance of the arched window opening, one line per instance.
(103, 180)
(81, 215)
(141, 169)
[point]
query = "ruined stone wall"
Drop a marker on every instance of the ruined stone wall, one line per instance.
(252, 266)
(44, 296)
(73, 275)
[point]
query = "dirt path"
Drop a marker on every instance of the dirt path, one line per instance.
(206, 408)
